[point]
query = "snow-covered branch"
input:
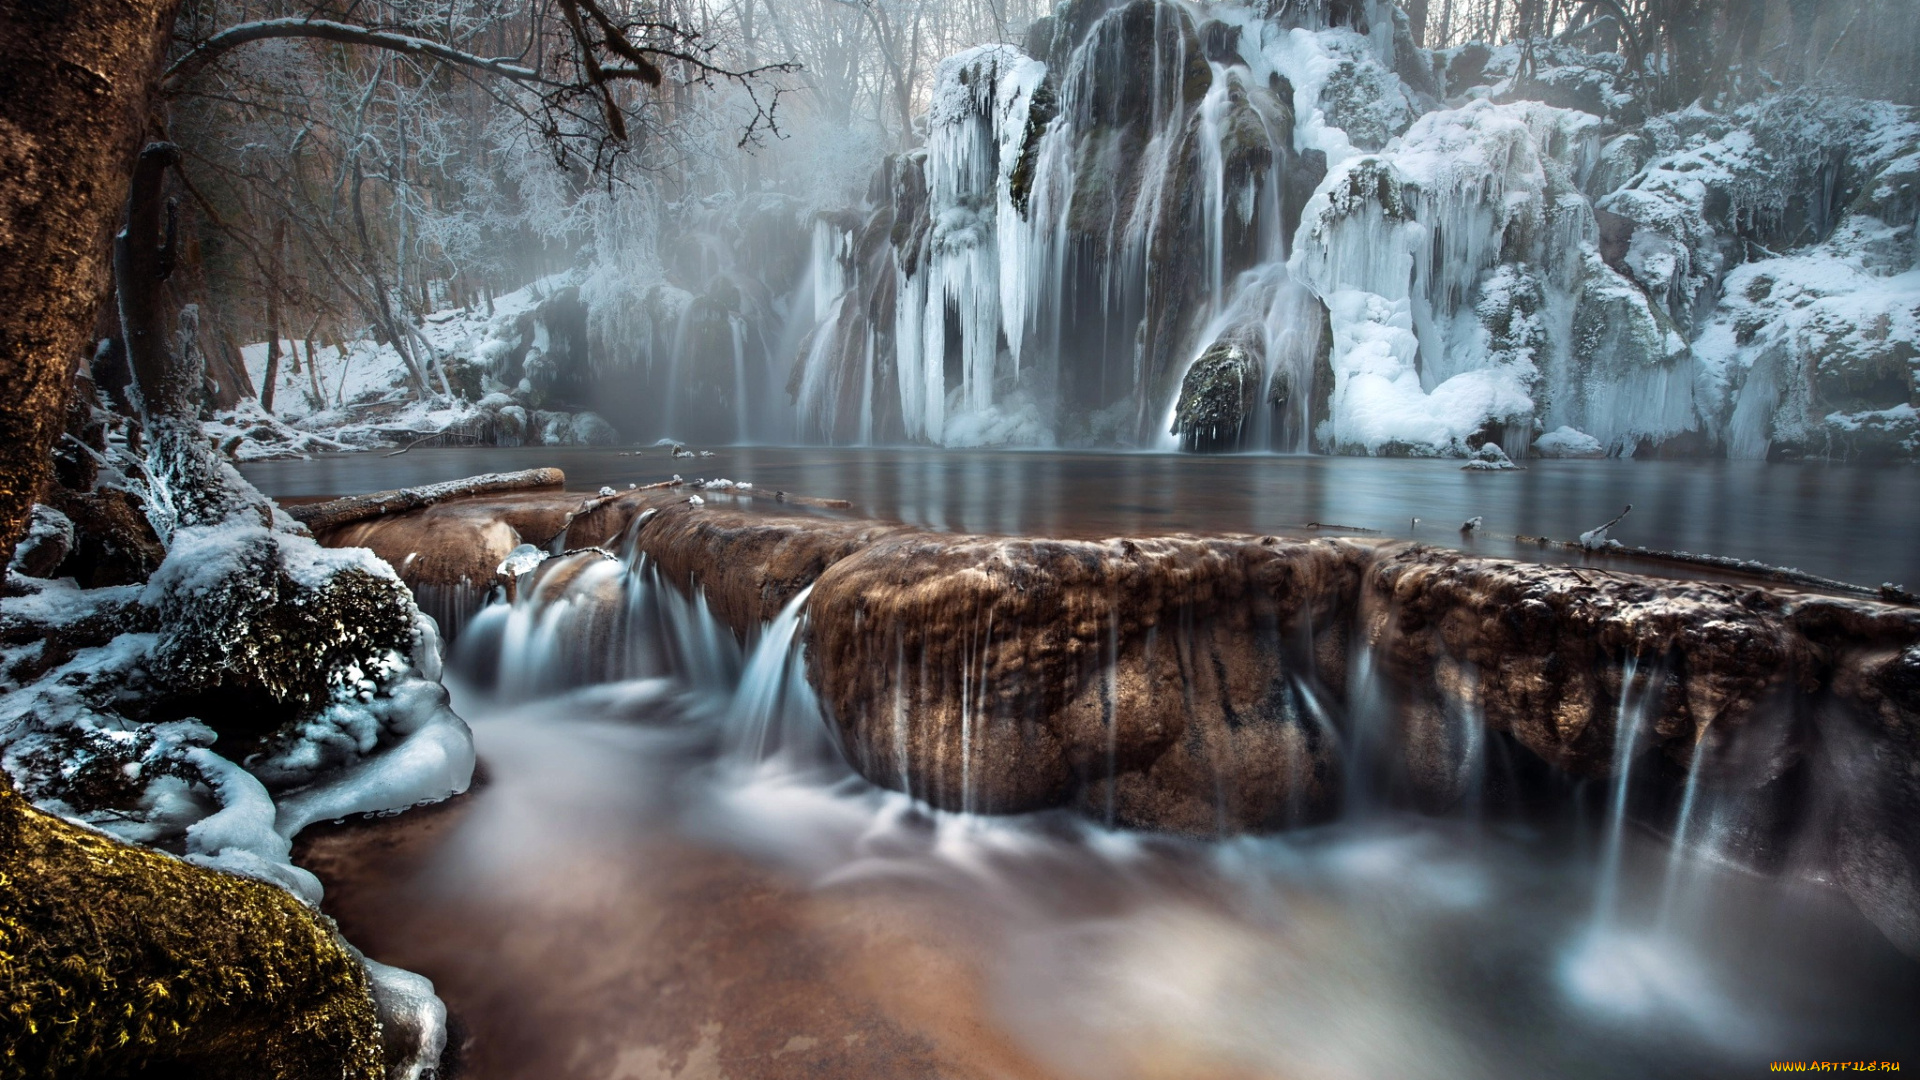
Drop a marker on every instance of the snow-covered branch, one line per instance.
(217, 46)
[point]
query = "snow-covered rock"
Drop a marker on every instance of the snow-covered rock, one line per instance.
(1489, 458)
(50, 538)
(1568, 442)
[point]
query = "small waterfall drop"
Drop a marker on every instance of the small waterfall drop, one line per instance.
(1629, 717)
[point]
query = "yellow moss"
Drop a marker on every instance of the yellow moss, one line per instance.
(116, 960)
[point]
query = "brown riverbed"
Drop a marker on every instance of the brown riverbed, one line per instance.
(675, 960)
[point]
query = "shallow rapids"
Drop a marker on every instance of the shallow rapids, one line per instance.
(670, 871)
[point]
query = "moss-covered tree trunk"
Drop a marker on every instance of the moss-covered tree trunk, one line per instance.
(77, 79)
(119, 961)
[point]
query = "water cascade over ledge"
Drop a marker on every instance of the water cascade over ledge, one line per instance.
(1211, 686)
(1355, 758)
(1286, 227)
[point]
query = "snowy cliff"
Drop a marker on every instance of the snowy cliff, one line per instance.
(1164, 223)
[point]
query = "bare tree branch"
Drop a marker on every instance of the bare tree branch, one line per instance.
(224, 42)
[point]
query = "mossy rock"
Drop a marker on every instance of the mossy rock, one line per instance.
(258, 629)
(1216, 397)
(119, 961)
(1041, 110)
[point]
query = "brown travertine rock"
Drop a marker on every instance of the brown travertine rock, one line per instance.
(1543, 651)
(1165, 682)
(1207, 684)
(447, 552)
(750, 562)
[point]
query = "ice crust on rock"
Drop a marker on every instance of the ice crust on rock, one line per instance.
(413, 1020)
(1449, 263)
(1568, 442)
(327, 636)
(520, 560)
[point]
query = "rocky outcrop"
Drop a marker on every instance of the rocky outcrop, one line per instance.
(1208, 684)
(1217, 397)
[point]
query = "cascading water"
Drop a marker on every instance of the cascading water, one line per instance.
(1272, 954)
(1684, 829)
(1490, 931)
(1626, 744)
(1089, 224)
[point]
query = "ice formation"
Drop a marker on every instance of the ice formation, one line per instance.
(1411, 256)
(1416, 267)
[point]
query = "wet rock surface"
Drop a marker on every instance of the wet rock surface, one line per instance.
(1194, 684)
(1160, 683)
(1217, 395)
(123, 961)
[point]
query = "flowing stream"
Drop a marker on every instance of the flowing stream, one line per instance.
(670, 871)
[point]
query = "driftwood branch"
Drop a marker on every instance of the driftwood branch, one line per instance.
(1779, 575)
(329, 515)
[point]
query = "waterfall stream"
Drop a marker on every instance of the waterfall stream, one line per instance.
(1383, 944)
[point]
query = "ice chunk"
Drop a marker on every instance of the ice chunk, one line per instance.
(521, 560)
(413, 1021)
(432, 763)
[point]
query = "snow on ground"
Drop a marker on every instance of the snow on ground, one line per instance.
(92, 663)
(327, 399)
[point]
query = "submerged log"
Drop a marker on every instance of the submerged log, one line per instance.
(338, 512)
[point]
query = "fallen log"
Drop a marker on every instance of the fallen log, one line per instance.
(328, 515)
(1778, 575)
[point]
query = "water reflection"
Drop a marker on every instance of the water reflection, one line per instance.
(1855, 524)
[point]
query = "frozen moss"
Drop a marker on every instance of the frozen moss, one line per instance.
(236, 613)
(117, 961)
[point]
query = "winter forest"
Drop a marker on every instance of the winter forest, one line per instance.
(1036, 539)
